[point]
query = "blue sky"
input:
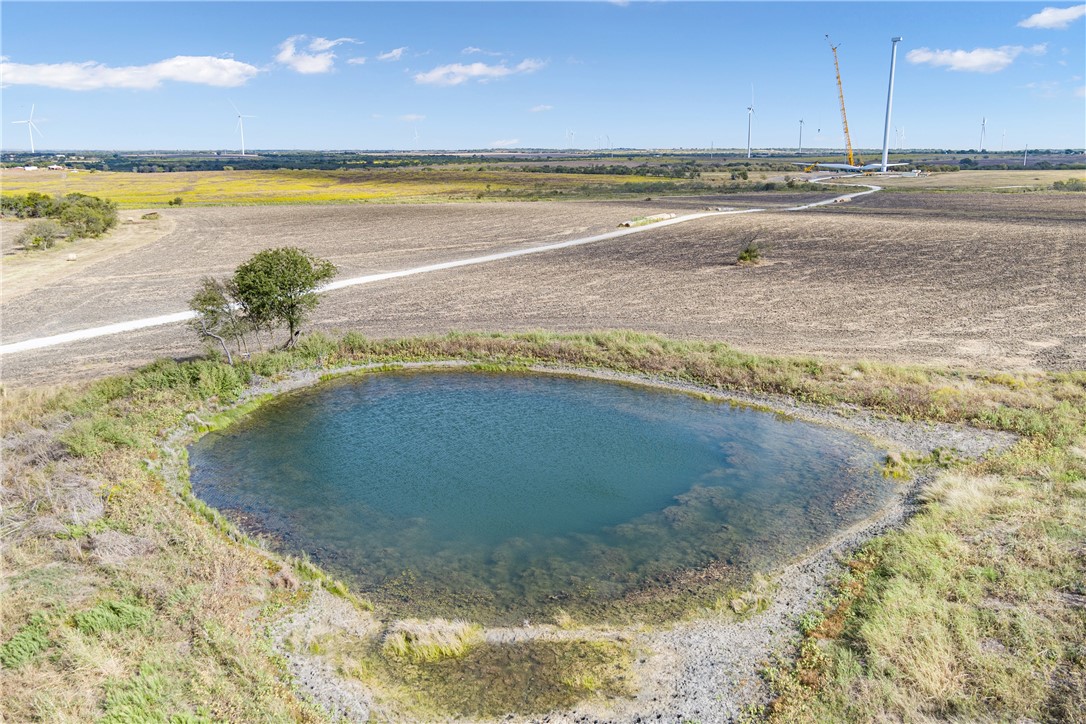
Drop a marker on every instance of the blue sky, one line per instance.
(362, 75)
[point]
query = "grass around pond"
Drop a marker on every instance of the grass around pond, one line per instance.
(127, 600)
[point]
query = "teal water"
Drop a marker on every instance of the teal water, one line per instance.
(506, 496)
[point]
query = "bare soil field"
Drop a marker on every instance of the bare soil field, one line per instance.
(1032, 207)
(980, 180)
(891, 277)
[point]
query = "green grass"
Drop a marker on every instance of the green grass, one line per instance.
(111, 616)
(29, 641)
(971, 611)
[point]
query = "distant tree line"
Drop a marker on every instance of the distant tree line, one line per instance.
(687, 169)
(72, 216)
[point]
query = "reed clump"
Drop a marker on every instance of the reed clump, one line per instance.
(431, 640)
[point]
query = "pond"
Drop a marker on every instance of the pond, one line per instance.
(507, 496)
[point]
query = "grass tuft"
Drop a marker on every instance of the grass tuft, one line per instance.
(111, 616)
(432, 640)
(26, 644)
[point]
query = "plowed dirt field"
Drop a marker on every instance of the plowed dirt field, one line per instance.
(988, 280)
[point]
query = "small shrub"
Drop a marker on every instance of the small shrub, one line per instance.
(41, 234)
(92, 438)
(1071, 184)
(151, 216)
(175, 201)
(750, 254)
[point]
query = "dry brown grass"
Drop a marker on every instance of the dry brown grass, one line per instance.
(431, 640)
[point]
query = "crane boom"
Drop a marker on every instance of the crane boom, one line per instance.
(841, 97)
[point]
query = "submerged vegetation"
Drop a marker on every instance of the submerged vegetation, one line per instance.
(115, 574)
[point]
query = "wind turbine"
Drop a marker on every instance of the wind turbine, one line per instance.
(31, 127)
(750, 115)
(241, 126)
(983, 123)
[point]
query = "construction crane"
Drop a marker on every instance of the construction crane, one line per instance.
(841, 95)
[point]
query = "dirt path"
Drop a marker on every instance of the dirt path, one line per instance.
(23, 273)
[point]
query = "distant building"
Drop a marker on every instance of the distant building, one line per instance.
(55, 167)
(30, 168)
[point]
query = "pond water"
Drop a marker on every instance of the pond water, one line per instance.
(505, 496)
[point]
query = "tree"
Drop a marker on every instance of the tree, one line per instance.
(218, 317)
(278, 286)
(40, 234)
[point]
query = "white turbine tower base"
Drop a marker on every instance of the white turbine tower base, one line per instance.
(31, 127)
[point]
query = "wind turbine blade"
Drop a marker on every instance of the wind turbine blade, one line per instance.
(34, 127)
(31, 112)
(235, 108)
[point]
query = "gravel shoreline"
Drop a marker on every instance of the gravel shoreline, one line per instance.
(705, 669)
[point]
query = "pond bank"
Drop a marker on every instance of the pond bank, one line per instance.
(706, 668)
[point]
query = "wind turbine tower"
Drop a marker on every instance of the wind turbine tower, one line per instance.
(241, 126)
(750, 115)
(983, 124)
(799, 150)
(31, 127)
(889, 102)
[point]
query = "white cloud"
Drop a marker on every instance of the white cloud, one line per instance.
(1045, 89)
(317, 58)
(412, 118)
(319, 44)
(457, 73)
(1054, 18)
(356, 61)
(540, 108)
(395, 54)
(978, 60)
(505, 143)
(91, 75)
(472, 50)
